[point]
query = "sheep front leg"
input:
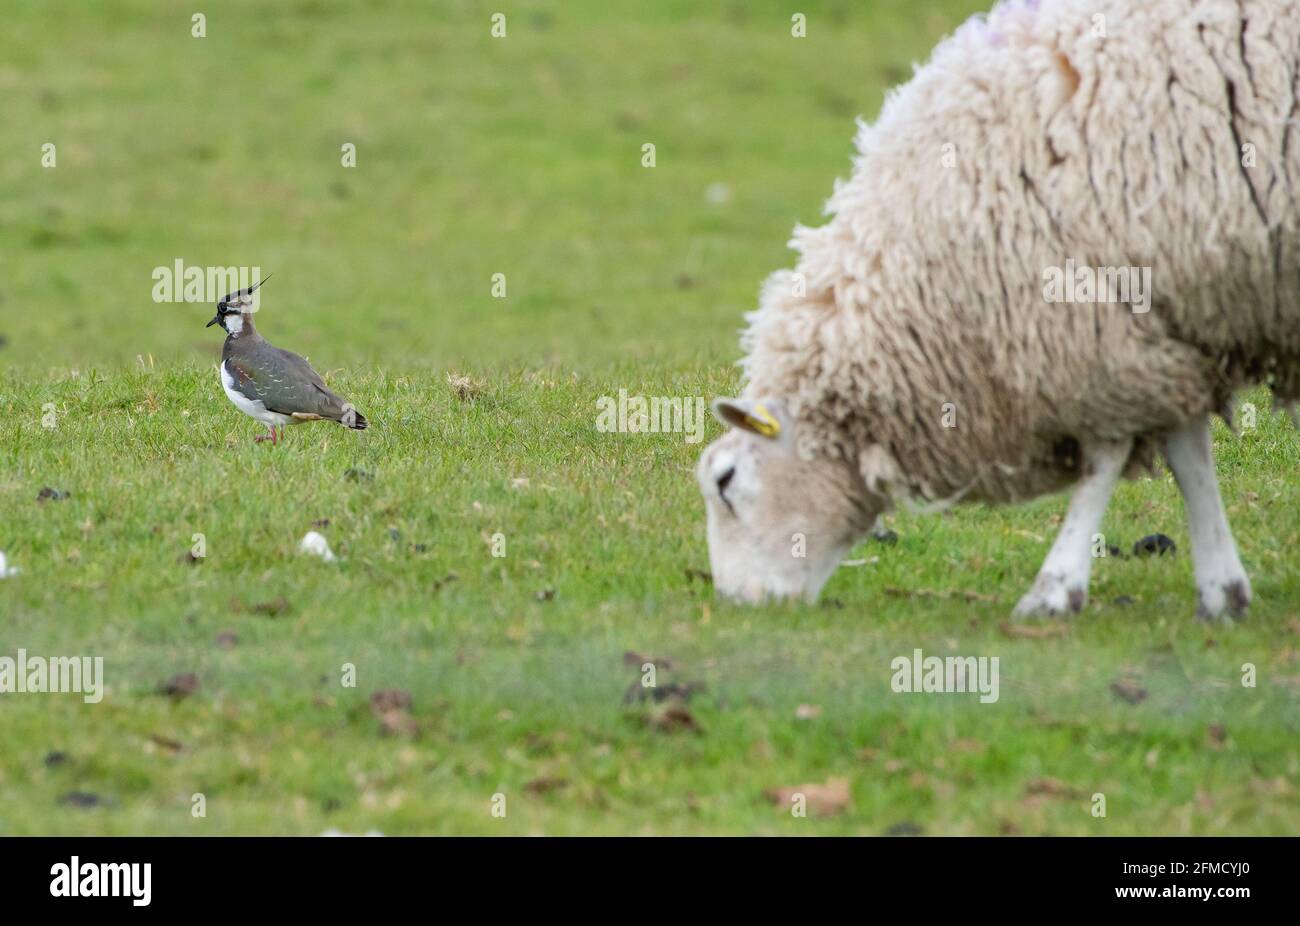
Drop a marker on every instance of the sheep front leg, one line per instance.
(1062, 583)
(1220, 578)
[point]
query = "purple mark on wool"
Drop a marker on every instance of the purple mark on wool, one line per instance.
(975, 27)
(1022, 12)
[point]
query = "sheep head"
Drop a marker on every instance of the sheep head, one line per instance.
(779, 520)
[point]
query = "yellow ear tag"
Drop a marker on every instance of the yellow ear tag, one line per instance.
(763, 422)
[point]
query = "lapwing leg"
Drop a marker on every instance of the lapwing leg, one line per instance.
(258, 438)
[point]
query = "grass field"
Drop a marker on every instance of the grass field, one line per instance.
(522, 156)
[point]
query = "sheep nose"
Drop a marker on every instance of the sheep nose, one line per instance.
(724, 479)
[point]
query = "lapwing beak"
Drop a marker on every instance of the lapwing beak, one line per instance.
(213, 322)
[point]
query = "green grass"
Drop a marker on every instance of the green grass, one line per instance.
(522, 156)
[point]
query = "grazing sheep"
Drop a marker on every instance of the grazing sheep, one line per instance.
(916, 353)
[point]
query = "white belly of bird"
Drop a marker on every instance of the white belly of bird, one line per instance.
(253, 408)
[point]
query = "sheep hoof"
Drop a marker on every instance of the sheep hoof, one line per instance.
(1051, 596)
(1225, 600)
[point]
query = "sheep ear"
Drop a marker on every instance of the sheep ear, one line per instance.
(748, 416)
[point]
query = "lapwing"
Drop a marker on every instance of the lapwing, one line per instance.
(277, 387)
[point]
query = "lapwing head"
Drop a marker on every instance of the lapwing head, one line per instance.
(235, 308)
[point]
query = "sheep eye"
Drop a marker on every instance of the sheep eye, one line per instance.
(725, 479)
